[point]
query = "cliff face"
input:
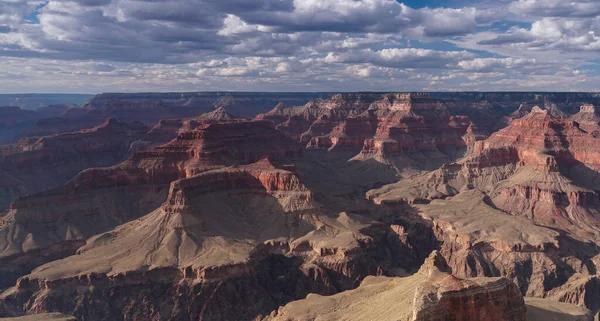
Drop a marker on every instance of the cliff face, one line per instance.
(377, 126)
(477, 239)
(168, 129)
(102, 198)
(587, 118)
(14, 120)
(430, 294)
(232, 243)
(35, 164)
(540, 166)
(215, 217)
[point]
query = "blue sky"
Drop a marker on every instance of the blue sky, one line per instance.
(88, 46)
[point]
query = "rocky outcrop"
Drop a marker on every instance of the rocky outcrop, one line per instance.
(540, 166)
(220, 218)
(36, 164)
(168, 129)
(378, 126)
(319, 117)
(587, 118)
(479, 240)
(430, 294)
(99, 199)
(14, 120)
(254, 230)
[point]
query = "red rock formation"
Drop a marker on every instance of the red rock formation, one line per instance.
(254, 230)
(99, 199)
(168, 129)
(319, 117)
(431, 294)
(36, 164)
(540, 166)
(380, 126)
(211, 226)
(588, 119)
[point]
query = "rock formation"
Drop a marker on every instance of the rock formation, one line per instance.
(215, 217)
(430, 294)
(588, 119)
(540, 166)
(383, 127)
(36, 164)
(100, 199)
(253, 229)
(168, 129)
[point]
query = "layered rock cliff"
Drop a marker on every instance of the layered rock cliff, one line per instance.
(588, 119)
(540, 166)
(430, 294)
(57, 221)
(36, 164)
(389, 128)
(220, 218)
(541, 169)
(168, 129)
(230, 244)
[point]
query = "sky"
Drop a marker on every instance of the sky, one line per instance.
(93, 46)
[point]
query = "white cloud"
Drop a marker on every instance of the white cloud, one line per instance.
(295, 44)
(562, 34)
(480, 65)
(401, 58)
(556, 8)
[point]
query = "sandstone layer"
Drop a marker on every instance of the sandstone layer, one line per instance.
(55, 222)
(541, 167)
(254, 228)
(431, 294)
(215, 217)
(408, 129)
(36, 164)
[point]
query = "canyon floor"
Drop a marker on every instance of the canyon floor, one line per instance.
(356, 206)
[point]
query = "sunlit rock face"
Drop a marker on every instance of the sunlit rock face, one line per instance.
(291, 215)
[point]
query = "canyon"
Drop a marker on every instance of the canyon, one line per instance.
(302, 206)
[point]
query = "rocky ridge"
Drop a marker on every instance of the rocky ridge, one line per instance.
(225, 226)
(430, 294)
(39, 163)
(215, 212)
(527, 168)
(388, 128)
(100, 199)
(540, 168)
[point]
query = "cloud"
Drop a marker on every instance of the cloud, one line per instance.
(294, 44)
(401, 58)
(562, 34)
(181, 31)
(14, 12)
(485, 65)
(556, 8)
